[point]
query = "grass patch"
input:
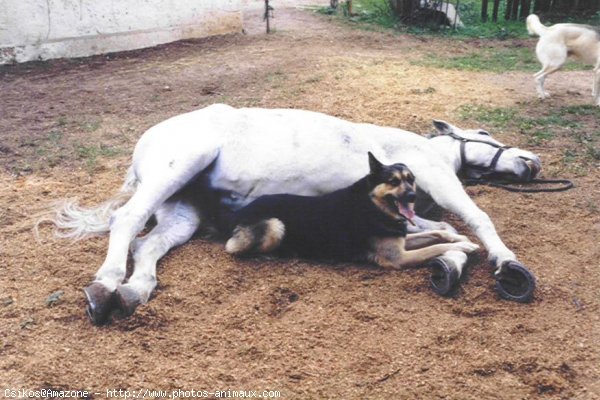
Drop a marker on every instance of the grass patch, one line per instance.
(90, 126)
(576, 124)
(491, 59)
(90, 154)
(537, 129)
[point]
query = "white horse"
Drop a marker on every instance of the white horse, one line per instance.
(237, 155)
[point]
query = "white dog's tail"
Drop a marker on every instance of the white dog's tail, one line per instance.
(534, 26)
(71, 221)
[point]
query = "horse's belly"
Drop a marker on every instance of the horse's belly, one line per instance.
(311, 173)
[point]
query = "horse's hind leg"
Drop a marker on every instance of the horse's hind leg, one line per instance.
(176, 223)
(125, 223)
(129, 220)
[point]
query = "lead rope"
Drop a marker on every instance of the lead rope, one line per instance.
(566, 185)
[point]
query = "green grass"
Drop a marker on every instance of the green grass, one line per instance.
(90, 126)
(90, 154)
(491, 59)
(537, 129)
(577, 124)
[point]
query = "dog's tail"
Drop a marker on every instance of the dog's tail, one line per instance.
(534, 26)
(71, 221)
(262, 237)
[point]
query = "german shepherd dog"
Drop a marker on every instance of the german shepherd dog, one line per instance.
(365, 221)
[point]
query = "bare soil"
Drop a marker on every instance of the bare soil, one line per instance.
(308, 330)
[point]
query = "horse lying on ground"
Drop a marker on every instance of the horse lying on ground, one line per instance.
(237, 155)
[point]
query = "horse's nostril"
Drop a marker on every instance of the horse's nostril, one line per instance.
(534, 168)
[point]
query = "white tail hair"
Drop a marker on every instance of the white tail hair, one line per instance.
(71, 221)
(534, 26)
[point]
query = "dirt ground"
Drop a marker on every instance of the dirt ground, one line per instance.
(307, 330)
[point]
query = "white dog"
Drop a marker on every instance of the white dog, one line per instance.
(559, 41)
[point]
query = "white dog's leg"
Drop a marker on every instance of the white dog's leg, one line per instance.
(596, 87)
(552, 56)
(539, 85)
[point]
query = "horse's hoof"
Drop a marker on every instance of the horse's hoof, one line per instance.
(515, 282)
(100, 302)
(444, 276)
(128, 300)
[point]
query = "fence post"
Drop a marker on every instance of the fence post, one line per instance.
(495, 10)
(484, 10)
(525, 7)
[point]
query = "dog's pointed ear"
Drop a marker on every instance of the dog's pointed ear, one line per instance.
(374, 165)
(442, 127)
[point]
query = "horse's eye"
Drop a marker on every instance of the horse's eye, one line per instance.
(485, 133)
(394, 181)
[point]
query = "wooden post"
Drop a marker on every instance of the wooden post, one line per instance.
(514, 14)
(267, 15)
(525, 8)
(456, 13)
(508, 9)
(484, 10)
(495, 10)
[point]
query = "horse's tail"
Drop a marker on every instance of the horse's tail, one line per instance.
(71, 221)
(534, 26)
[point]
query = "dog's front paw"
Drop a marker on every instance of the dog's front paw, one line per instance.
(465, 247)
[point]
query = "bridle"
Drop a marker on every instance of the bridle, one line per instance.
(490, 170)
(463, 158)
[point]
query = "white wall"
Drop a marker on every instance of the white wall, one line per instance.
(44, 29)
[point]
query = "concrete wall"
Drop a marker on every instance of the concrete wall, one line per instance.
(44, 29)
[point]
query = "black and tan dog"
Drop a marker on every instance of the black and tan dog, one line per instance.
(365, 221)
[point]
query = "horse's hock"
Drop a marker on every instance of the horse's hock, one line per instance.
(41, 30)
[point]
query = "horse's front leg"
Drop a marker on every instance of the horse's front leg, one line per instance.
(514, 282)
(424, 225)
(446, 269)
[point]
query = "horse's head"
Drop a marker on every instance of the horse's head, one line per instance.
(481, 155)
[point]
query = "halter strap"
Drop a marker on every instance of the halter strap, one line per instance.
(463, 157)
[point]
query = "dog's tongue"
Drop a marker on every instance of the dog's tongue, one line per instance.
(406, 212)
